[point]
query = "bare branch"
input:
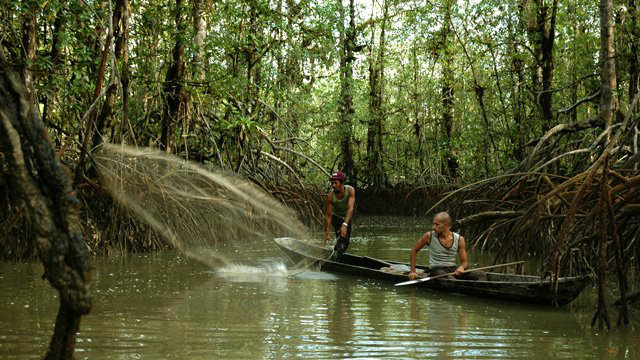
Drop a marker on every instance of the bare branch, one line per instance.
(591, 97)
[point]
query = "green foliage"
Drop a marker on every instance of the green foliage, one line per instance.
(274, 65)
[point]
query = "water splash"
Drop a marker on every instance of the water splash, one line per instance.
(276, 269)
(209, 215)
(274, 273)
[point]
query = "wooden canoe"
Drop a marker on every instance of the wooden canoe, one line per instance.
(509, 287)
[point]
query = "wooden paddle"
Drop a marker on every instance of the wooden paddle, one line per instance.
(452, 273)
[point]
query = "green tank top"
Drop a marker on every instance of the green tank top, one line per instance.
(339, 207)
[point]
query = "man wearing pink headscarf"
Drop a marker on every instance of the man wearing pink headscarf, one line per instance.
(340, 203)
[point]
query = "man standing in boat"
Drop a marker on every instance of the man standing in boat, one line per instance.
(340, 202)
(443, 246)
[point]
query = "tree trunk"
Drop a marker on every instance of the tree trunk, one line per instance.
(608, 99)
(199, 24)
(634, 63)
(280, 93)
(174, 97)
(518, 93)
(293, 77)
(105, 119)
(29, 44)
(541, 32)
(347, 111)
(120, 34)
(602, 313)
(574, 71)
(450, 167)
(250, 56)
(56, 60)
(547, 41)
(375, 164)
(40, 180)
(122, 48)
(417, 113)
(479, 92)
(90, 123)
(608, 106)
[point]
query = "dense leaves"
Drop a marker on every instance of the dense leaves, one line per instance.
(274, 65)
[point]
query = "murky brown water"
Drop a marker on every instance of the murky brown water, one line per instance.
(170, 306)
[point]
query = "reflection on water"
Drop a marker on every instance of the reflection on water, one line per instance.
(171, 307)
(316, 275)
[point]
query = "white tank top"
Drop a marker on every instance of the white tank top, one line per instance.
(439, 255)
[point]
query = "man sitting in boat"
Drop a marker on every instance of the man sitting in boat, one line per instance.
(340, 202)
(443, 246)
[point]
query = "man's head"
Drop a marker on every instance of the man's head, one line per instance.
(441, 222)
(337, 179)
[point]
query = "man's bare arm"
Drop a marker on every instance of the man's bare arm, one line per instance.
(424, 240)
(351, 200)
(462, 252)
(350, 204)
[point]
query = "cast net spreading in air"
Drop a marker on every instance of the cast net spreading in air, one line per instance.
(220, 219)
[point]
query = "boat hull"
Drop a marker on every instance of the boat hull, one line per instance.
(508, 287)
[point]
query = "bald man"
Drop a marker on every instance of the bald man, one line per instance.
(443, 246)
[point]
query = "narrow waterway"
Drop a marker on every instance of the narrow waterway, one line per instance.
(168, 306)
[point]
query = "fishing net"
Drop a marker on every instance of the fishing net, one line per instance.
(209, 215)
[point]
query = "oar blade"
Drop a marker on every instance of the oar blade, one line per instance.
(411, 282)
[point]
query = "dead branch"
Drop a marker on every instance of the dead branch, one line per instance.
(560, 129)
(489, 216)
(591, 97)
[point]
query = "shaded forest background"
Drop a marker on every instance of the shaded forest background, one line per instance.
(409, 98)
(395, 93)
(521, 112)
